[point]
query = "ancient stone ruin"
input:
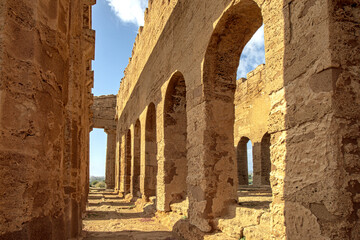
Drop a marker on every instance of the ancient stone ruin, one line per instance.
(180, 125)
(104, 109)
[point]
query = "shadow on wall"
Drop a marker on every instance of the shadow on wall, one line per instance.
(321, 175)
(175, 137)
(151, 165)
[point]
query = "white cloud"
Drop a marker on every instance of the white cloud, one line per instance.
(129, 11)
(253, 54)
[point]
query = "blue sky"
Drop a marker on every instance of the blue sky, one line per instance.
(116, 23)
(113, 47)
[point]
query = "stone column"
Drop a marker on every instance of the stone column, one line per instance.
(256, 154)
(143, 153)
(110, 158)
(122, 165)
(132, 140)
(117, 162)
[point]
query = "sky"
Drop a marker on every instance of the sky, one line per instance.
(115, 35)
(116, 23)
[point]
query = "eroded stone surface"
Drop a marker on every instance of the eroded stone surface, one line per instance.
(104, 110)
(291, 110)
(46, 48)
(109, 217)
(307, 102)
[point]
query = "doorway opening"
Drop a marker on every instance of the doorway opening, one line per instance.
(175, 137)
(98, 138)
(151, 166)
(245, 162)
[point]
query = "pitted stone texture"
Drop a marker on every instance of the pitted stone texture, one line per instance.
(300, 102)
(46, 48)
(104, 109)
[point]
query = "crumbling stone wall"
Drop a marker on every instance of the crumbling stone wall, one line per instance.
(312, 127)
(312, 68)
(46, 48)
(104, 109)
(252, 108)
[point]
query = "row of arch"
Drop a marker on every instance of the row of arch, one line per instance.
(214, 167)
(143, 183)
(175, 169)
(132, 167)
(261, 161)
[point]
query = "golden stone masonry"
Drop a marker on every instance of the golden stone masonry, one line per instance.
(180, 124)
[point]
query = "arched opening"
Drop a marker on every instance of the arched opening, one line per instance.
(265, 159)
(98, 138)
(128, 162)
(175, 135)
(151, 165)
(234, 29)
(136, 165)
(245, 162)
(252, 55)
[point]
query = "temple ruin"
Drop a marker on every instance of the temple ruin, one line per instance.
(180, 124)
(103, 110)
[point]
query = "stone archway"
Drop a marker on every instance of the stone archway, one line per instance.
(233, 30)
(135, 166)
(103, 117)
(151, 166)
(175, 136)
(242, 161)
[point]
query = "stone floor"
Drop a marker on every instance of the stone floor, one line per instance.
(110, 217)
(256, 197)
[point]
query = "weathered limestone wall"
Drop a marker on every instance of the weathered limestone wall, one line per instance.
(312, 70)
(322, 142)
(156, 17)
(110, 159)
(45, 118)
(311, 66)
(252, 108)
(345, 48)
(104, 111)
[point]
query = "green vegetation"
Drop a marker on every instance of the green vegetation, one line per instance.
(100, 185)
(250, 180)
(243, 238)
(93, 183)
(97, 182)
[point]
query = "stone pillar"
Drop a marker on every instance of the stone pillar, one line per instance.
(242, 162)
(122, 165)
(110, 158)
(117, 162)
(160, 176)
(143, 153)
(256, 154)
(265, 160)
(132, 155)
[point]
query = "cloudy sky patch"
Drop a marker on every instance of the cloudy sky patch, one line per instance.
(129, 11)
(253, 54)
